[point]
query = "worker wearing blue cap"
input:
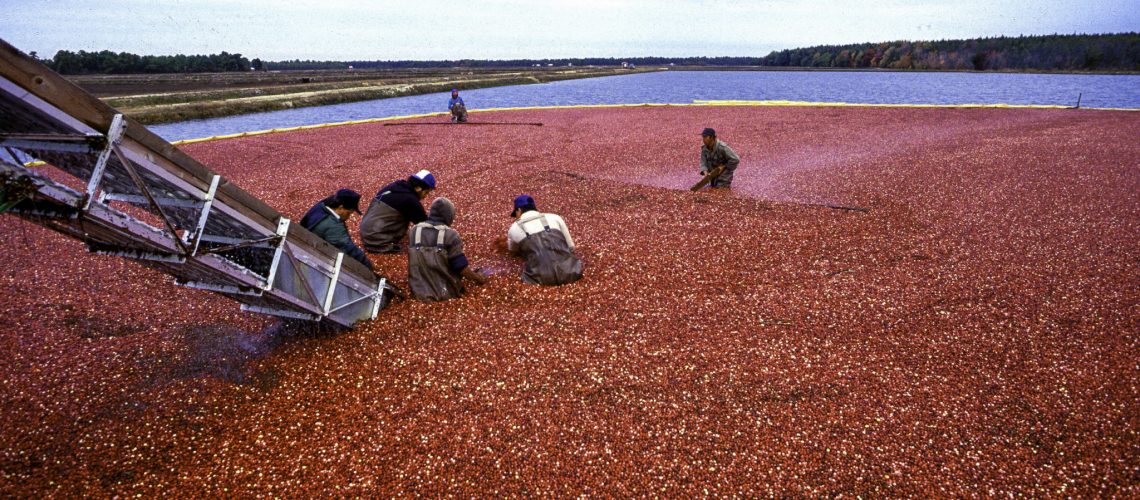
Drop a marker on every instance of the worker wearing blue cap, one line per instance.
(457, 108)
(327, 219)
(394, 207)
(716, 155)
(544, 240)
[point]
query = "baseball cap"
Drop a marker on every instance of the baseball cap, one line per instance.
(425, 177)
(708, 132)
(523, 201)
(348, 199)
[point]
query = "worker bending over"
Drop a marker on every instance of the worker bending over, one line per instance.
(545, 242)
(436, 263)
(716, 154)
(394, 207)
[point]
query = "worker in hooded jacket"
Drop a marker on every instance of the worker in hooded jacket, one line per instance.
(544, 240)
(436, 263)
(394, 207)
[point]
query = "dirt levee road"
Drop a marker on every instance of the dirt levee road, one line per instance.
(166, 98)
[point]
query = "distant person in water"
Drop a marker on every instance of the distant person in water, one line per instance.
(714, 155)
(328, 217)
(457, 108)
(394, 207)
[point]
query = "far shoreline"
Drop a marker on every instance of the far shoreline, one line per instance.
(168, 98)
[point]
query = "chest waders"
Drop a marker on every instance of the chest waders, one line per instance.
(549, 260)
(382, 227)
(429, 275)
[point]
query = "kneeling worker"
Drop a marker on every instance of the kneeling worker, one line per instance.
(327, 219)
(457, 107)
(394, 207)
(545, 242)
(436, 263)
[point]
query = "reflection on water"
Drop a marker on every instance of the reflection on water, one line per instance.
(878, 87)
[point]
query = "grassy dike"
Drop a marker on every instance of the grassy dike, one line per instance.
(222, 99)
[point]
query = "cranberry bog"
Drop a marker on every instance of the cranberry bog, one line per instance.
(891, 302)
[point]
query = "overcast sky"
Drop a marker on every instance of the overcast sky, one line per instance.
(276, 30)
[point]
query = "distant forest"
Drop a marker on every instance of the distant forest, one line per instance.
(118, 63)
(1113, 52)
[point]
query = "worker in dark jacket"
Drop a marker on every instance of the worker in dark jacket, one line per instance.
(327, 219)
(545, 241)
(394, 207)
(436, 263)
(714, 154)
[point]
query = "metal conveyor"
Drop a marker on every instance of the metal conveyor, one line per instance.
(125, 191)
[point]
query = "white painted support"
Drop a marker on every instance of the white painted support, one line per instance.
(300, 274)
(379, 298)
(135, 199)
(362, 298)
(280, 312)
(162, 168)
(215, 287)
(335, 279)
(282, 231)
(208, 202)
(114, 134)
(141, 184)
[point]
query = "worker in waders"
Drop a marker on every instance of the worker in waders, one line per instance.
(394, 207)
(328, 217)
(715, 154)
(545, 242)
(436, 263)
(457, 108)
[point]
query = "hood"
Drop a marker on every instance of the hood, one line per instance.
(442, 211)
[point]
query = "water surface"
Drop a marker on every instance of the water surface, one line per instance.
(682, 87)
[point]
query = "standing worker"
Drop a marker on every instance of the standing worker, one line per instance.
(436, 263)
(457, 108)
(545, 241)
(394, 207)
(327, 219)
(716, 154)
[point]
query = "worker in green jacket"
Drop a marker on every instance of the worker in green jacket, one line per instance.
(328, 217)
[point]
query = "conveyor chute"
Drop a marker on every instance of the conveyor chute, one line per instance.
(129, 193)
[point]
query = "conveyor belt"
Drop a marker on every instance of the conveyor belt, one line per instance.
(129, 193)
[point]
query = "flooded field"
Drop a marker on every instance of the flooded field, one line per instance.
(974, 329)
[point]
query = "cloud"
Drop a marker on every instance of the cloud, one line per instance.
(501, 29)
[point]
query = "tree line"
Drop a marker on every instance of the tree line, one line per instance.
(515, 63)
(1112, 52)
(114, 63)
